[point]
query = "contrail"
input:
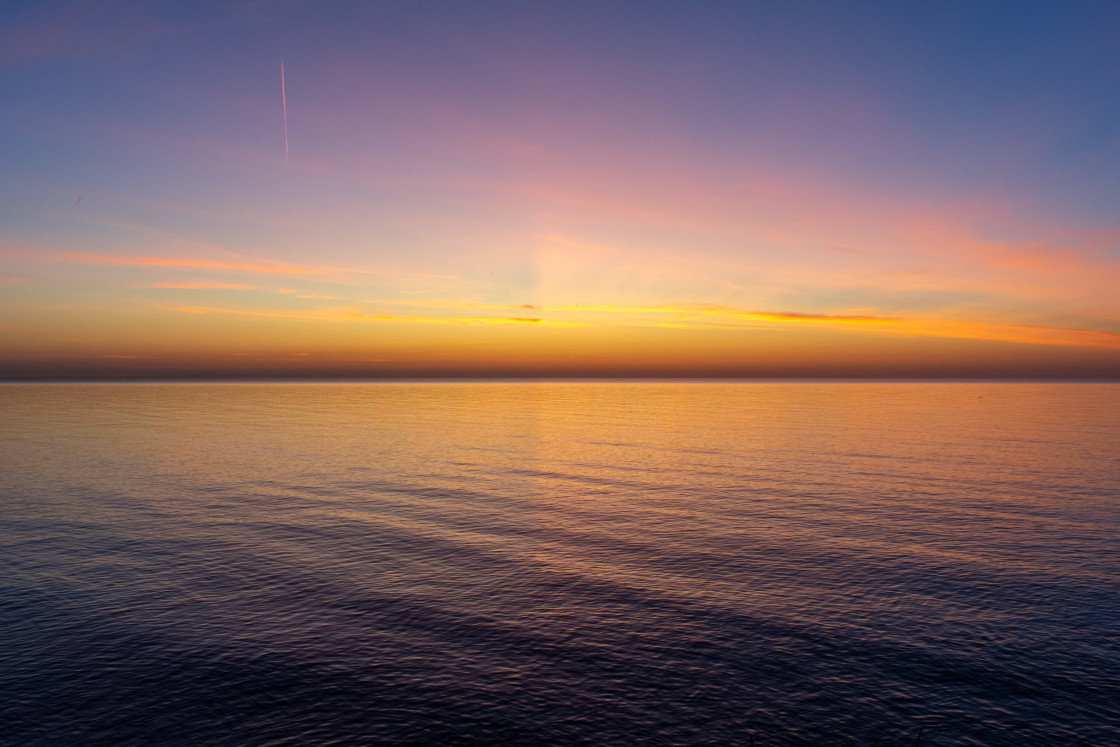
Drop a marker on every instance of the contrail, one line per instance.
(284, 98)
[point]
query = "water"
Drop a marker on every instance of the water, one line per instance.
(560, 563)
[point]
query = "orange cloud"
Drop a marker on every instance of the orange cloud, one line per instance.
(249, 312)
(725, 317)
(713, 309)
(712, 317)
(1019, 333)
(336, 315)
(299, 294)
(469, 320)
(204, 286)
(697, 308)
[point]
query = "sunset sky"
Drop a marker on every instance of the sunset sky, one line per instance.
(613, 187)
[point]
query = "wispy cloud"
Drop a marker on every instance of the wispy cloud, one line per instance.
(699, 316)
(203, 286)
(332, 274)
(469, 320)
(710, 318)
(268, 314)
(304, 294)
(344, 315)
(1019, 333)
(728, 311)
(678, 309)
(268, 267)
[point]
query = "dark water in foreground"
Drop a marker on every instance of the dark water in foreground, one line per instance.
(560, 563)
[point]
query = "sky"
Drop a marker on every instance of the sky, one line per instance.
(563, 188)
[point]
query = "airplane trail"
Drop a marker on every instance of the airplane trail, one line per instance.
(284, 98)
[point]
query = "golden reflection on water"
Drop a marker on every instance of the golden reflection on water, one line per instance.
(813, 462)
(702, 531)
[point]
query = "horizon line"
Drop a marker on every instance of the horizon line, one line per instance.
(419, 378)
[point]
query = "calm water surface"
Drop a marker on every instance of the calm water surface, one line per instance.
(560, 564)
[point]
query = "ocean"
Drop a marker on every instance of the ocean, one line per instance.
(560, 563)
